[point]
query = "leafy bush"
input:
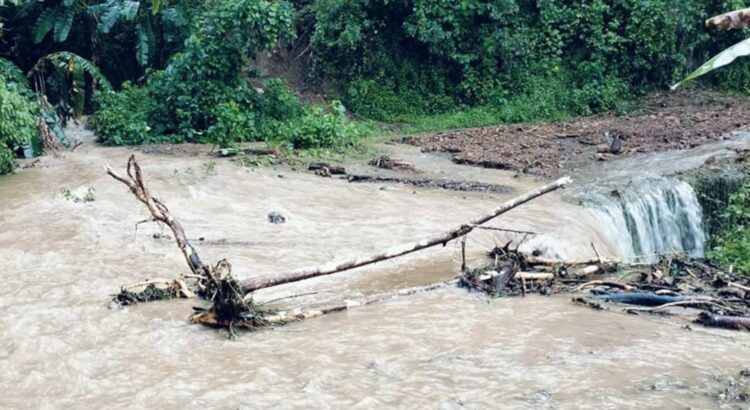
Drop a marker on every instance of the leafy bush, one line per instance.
(278, 102)
(14, 79)
(733, 244)
(319, 128)
(17, 124)
(232, 125)
(122, 118)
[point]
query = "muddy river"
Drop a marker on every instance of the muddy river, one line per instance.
(61, 346)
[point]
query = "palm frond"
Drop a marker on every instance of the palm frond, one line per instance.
(110, 16)
(142, 46)
(114, 11)
(130, 9)
(173, 16)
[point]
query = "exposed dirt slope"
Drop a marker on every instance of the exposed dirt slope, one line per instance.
(666, 122)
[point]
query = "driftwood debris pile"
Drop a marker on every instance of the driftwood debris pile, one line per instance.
(388, 162)
(231, 304)
(515, 274)
(688, 289)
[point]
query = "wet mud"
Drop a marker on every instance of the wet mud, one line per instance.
(666, 122)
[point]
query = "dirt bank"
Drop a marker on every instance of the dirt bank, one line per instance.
(667, 121)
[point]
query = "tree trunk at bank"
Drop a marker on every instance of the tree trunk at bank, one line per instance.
(269, 280)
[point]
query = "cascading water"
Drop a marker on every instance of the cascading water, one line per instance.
(642, 209)
(648, 217)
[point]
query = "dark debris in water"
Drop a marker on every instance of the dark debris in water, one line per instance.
(451, 185)
(276, 218)
(691, 289)
(151, 292)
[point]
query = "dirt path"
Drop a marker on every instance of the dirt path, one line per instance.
(666, 122)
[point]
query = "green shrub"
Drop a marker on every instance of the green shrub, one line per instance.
(733, 244)
(278, 102)
(122, 118)
(379, 100)
(14, 79)
(18, 116)
(232, 125)
(319, 128)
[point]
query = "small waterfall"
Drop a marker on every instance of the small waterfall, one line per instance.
(647, 217)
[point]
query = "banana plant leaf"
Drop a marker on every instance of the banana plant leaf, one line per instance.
(740, 49)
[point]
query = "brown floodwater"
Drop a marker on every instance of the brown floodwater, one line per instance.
(61, 346)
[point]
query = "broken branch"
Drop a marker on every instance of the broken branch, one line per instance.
(159, 211)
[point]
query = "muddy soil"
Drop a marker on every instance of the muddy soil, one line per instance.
(667, 121)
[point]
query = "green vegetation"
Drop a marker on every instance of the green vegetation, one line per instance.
(518, 61)
(185, 70)
(17, 124)
(122, 118)
(204, 95)
(733, 242)
(724, 197)
(726, 203)
(80, 195)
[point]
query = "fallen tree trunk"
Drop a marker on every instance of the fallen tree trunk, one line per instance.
(725, 322)
(534, 276)
(269, 280)
(283, 317)
(232, 303)
(640, 298)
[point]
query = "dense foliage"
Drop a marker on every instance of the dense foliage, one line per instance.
(186, 69)
(17, 124)
(733, 243)
(404, 58)
(205, 94)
